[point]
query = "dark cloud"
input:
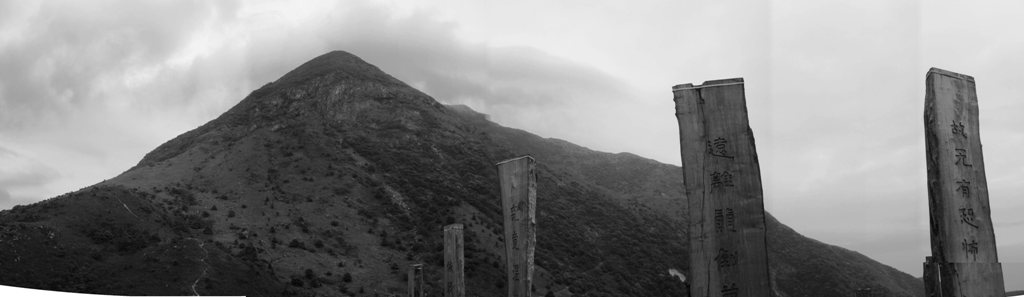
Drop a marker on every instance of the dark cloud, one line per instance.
(834, 91)
(63, 52)
(427, 53)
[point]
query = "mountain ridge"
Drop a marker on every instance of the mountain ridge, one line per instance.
(333, 178)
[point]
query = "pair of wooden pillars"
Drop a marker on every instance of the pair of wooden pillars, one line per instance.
(454, 277)
(518, 181)
(728, 253)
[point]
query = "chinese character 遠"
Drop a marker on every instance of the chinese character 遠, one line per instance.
(717, 148)
(730, 291)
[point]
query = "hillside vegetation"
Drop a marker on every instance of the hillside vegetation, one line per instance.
(333, 179)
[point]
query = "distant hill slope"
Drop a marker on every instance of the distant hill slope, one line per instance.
(333, 179)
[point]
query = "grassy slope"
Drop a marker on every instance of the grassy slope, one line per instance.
(334, 178)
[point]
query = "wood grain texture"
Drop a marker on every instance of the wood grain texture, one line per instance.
(959, 211)
(931, 278)
(411, 278)
(728, 249)
(454, 277)
(518, 181)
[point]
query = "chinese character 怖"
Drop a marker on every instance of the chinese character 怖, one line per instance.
(971, 248)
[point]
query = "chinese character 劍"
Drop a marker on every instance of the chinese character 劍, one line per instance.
(961, 157)
(726, 258)
(967, 216)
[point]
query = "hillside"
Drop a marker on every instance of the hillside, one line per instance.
(334, 178)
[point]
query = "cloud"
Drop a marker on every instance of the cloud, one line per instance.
(23, 176)
(834, 89)
(21, 171)
(66, 56)
(94, 86)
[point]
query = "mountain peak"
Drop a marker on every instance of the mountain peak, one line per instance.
(337, 63)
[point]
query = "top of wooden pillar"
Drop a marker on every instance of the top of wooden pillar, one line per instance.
(516, 158)
(710, 83)
(952, 74)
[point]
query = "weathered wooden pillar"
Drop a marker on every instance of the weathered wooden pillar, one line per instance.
(414, 271)
(728, 249)
(931, 273)
(412, 281)
(962, 239)
(454, 279)
(518, 180)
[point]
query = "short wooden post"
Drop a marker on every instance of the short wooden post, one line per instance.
(414, 270)
(518, 181)
(962, 239)
(412, 281)
(454, 279)
(728, 248)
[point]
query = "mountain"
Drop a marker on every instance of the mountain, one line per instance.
(334, 178)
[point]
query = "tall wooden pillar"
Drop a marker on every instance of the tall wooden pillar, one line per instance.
(963, 242)
(728, 248)
(454, 279)
(518, 180)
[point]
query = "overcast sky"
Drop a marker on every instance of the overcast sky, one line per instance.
(835, 89)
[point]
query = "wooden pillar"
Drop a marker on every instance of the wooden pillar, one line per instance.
(518, 181)
(728, 248)
(412, 281)
(414, 271)
(962, 239)
(454, 279)
(931, 273)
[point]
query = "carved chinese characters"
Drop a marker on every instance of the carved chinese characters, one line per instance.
(964, 260)
(519, 199)
(728, 255)
(454, 278)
